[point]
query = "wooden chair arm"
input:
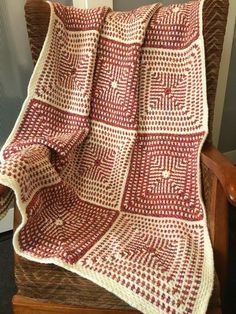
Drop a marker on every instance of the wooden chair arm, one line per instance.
(223, 169)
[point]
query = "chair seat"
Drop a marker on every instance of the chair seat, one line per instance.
(51, 283)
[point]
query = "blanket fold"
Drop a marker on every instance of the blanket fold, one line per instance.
(104, 157)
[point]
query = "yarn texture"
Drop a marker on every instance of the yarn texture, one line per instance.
(104, 157)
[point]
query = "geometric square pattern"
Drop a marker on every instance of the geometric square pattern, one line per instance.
(174, 26)
(101, 165)
(163, 180)
(130, 28)
(72, 70)
(170, 95)
(50, 126)
(65, 81)
(76, 19)
(115, 84)
(167, 90)
(61, 225)
(151, 258)
(116, 76)
(30, 171)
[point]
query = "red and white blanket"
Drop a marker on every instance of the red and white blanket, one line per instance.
(104, 157)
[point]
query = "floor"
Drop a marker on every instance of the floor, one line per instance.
(8, 289)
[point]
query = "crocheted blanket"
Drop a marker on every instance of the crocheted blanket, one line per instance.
(104, 157)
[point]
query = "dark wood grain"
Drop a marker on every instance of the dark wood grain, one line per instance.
(37, 15)
(223, 169)
(214, 23)
(3, 190)
(24, 305)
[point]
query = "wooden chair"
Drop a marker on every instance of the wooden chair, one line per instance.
(50, 289)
